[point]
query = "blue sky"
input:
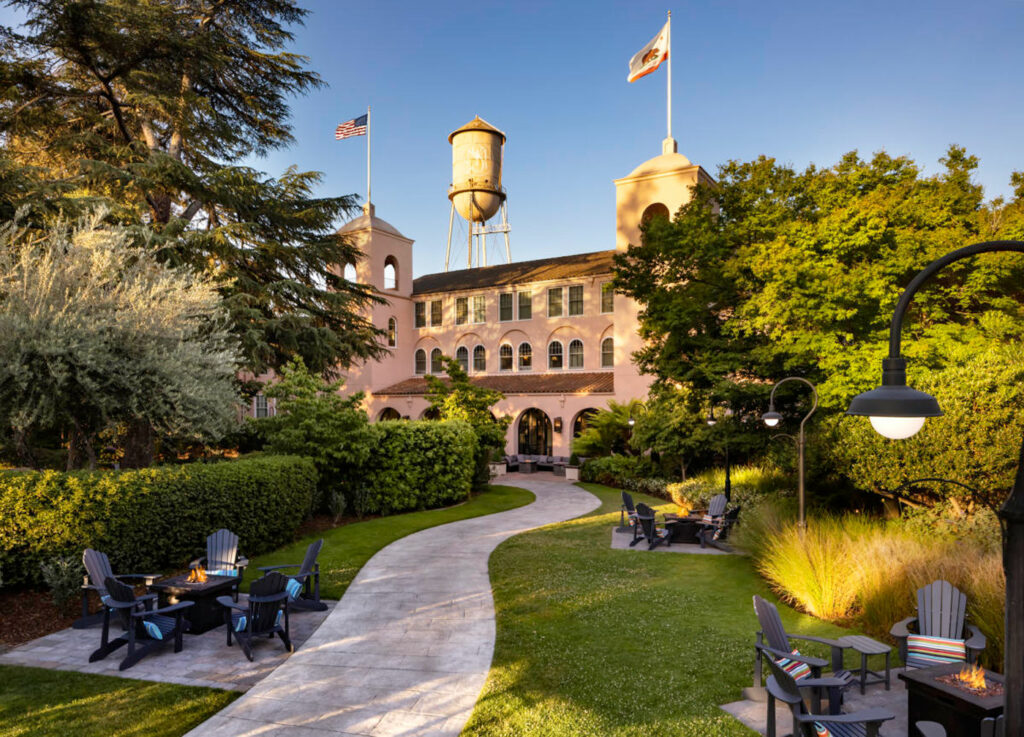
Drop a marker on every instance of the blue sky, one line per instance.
(801, 81)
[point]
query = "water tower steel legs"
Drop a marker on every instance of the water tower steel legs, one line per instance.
(448, 248)
(504, 223)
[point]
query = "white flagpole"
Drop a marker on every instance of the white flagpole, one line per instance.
(368, 158)
(668, 44)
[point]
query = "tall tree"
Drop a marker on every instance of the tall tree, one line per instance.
(151, 106)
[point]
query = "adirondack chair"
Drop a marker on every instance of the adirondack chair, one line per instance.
(222, 557)
(941, 609)
(146, 629)
(653, 534)
(989, 728)
(773, 643)
(97, 569)
(308, 578)
(262, 614)
(627, 518)
(712, 520)
(806, 723)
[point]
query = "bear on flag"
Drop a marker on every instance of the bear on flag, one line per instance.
(650, 57)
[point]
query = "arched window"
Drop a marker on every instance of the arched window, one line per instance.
(349, 273)
(505, 356)
(554, 355)
(389, 413)
(535, 434)
(392, 332)
(582, 421)
(431, 413)
(462, 356)
(608, 353)
(421, 361)
(479, 359)
(391, 273)
(576, 354)
(525, 357)
(435, 361)
(657, 210)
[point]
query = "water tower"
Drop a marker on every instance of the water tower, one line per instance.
(476, 191)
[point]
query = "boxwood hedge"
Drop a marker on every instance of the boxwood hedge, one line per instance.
(151, 519)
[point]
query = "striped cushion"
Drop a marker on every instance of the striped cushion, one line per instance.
(794, 667)
(707, 519)
(158, 626)
(241, 620)
(294, 588)
(222, 572)
(821, 730)
(923, 652)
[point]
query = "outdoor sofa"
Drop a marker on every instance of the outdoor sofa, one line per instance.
(556, 464)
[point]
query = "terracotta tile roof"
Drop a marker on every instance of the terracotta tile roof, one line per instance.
(569, 382)
(522, 272)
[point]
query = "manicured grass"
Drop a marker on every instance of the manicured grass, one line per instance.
(37, 702)
(595, 641)
(347, 548)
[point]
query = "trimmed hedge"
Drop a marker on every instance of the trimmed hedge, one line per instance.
(151, 519)
(418, 465)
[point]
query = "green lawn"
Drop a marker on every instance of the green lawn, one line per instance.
(37, 702)
(595, 641)
(347, 548)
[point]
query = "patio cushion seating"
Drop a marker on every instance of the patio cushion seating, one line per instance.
(294, 588)
(261, 615)
(923, 652)
(303, 586)
(97, 568)
(795, 668)
(941, 613)
(158, 626)
(239, 621)
(222, 571)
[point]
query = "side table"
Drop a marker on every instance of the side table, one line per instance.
(866, 646)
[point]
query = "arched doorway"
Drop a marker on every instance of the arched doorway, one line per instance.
(582, 421)
(389, 413)
(535, 434)
(431, 413)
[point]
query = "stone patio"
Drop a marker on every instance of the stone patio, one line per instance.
(206, 660)
(621, 541)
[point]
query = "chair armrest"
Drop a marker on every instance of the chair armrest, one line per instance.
(272, 597)
(801, 658)
(172, 608)
(860, 717)
(930, 729)
(241, 561)
(977, 640)
(274, 568)
(231, 603)
(902, 628)
(147, 577)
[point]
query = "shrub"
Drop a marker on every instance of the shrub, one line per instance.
(149, 519)
(750, 485)
(418, 465)
(615, 470)
(64, 577)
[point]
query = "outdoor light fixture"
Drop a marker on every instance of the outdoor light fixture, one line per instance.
(897, 411)
(772, 418)
(631, 422)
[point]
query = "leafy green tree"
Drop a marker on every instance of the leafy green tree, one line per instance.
(96, 332)
(608, 430)
(151, 106)
(314, 421)
(674, 427)
(458, 398)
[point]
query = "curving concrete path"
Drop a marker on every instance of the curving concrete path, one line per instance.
(406, 651)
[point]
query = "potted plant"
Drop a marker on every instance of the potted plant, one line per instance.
(497, 464)
(572, 471)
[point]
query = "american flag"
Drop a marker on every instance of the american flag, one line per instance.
(354, 127)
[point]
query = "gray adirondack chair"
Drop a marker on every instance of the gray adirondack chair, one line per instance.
(713, 519)
(773, 642)
(989, 728)
(146, 629)
(222, 557)
(97, 570)
(261, 615)
(308, 576)
(653, 534)
(783, 687)
(627, 517)
(941, 612)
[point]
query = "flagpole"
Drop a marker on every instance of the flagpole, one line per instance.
(668, 45)
(368, 202)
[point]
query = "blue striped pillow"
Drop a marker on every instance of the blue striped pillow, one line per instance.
(293, 587)
(923, 651)
(795, 668)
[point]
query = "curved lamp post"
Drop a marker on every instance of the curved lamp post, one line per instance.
(772, 418)
(711, 423)
(897, 411)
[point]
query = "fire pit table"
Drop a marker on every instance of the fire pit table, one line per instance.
(207, 613)
(960, 711)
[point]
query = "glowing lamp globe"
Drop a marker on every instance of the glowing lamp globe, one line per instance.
(631, 422)
(771, 418)
(896, 411)
(897, 428)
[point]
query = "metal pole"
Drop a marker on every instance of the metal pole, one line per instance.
(728, 479)
(504, 223)
(801, 519)
(668, 45)
(448, 248)
(368, 200)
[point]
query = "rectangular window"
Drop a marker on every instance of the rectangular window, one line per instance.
(479, 309)
(607, 297)
(505, 306)
(461, 310)
(421, 314)
(555, 302)
(525, 305)
(435, 313)
(259, 406)
(576, 300)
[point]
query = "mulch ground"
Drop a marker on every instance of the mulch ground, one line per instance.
(26, 615)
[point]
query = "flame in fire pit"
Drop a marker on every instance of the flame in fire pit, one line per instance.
(973, 676)
(198, 575)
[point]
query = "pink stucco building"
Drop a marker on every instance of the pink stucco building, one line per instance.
(550, 334)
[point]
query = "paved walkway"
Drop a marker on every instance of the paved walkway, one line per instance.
(406, 651)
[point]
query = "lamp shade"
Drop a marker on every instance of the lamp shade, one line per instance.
(771, 418)
(631, 422)
(896, 410)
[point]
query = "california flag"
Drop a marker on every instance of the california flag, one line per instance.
(649, 58)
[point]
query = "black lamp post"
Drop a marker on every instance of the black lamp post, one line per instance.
(772, 418)
(897, 411)
(728, 481)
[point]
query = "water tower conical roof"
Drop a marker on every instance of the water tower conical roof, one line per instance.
(477, 124)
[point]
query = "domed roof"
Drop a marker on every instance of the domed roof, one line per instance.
(477, 124)
(660, 165)
(369, 220)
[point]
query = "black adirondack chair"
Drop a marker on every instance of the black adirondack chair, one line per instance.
(628, 520)
(97, 570)
(772, 643)
(308, 597)
(146, 629)
(781, 686)
(941, 612)
(712, 520)
(989, 728)
(262, 614)
(653, 534)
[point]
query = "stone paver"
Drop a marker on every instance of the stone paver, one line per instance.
(621, 541)
(406, 651)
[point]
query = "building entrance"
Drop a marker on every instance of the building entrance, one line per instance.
(534, 433)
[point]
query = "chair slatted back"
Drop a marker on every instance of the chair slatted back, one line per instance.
(716, 507)
(264, 613)
(993, 727)
(941, 608)
(97, 565)
(771, 625)
(645, 517)
(221, 549)
(121, 592)
(311, 555)
(627, 502)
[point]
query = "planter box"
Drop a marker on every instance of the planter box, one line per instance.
(497, 469)
(572, 473)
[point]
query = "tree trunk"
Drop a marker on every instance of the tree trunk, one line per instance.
(138, 445)
(79, 449)
(23, 450)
